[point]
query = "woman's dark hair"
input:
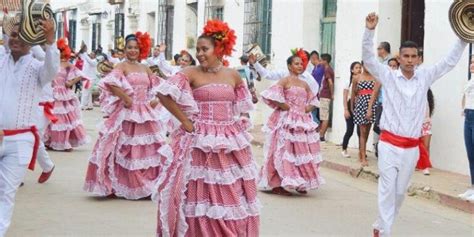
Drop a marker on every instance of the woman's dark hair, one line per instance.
(290, 59)
(393, 59)
(314, 52)
(431, 102)
(176, 57)
(352, 68)
(210, 38)
(129, 38)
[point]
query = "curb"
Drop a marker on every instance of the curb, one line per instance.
(414, 189)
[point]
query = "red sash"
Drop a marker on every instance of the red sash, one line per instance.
(33, 130)
(406, 142)
(48, 111)
(365, 92)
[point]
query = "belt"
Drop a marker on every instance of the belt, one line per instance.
(365, 92)
(48, 111)
(404, 142)
(33, 130)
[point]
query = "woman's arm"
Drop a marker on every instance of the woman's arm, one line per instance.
(174, 109)
(117, 91)
(72, 82)
(355, 81)
(463, 104)
(373, 97)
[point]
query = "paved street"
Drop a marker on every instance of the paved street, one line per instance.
(343, 207)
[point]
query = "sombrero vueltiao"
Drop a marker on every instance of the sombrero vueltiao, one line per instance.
(33, 11)
(461, 17)
(9, 22)
(104, 67)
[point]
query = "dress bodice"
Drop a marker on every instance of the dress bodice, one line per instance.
(141, 83)
(297, 98)
(215, 102)
(366, 85)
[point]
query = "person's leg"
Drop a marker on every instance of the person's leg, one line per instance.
(324, 117)
(469, 142)
(407, 162)
(387, 184)
(11, 176)
(348, 134)
(44, 161)
(364, 135)
(86, 99)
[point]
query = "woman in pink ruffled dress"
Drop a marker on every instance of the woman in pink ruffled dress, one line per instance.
(68, 132)
(209, 189)
(128, 155)
(292, 149)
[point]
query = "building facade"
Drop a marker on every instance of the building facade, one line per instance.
(280, 25)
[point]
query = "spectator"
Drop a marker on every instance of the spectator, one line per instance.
(356, 69)
(326, 95)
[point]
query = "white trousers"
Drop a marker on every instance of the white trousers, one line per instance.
(44, 161)
(86, 98)
(15, 154)
(396, 166)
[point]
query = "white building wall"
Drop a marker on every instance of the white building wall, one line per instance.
(447, 145)
(234, 16)
(179, 26)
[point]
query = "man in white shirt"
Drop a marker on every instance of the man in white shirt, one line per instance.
(22, 80)
(90, 71)
(404, 94)
(154, 59)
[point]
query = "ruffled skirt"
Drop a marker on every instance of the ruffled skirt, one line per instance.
(209, 189)
(292, 153)
(68, 132)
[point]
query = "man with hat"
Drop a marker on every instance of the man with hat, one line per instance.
(22, 80)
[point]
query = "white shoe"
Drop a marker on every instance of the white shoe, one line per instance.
(470, 198)
(345, 154)
(466, 194)
(426, 171)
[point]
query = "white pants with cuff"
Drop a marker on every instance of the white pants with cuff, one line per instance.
(396, 166)
(43, 159)
(15, 155)
(86, 98)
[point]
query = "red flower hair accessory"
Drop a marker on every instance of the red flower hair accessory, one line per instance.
(302, 55)
(223, 35)
(64, 48)
(144, 44)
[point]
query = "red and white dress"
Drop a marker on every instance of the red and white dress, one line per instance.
(292, 148)
(128, 155)
(68, 132)
(209, 189)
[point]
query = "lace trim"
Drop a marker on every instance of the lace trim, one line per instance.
(66, 109)
(243, 211)
(182, 97)
(144, 139)
(224, 177)
(66, 127)
(213, 143)
(273, 94)
(243, 106)
(67, 144)
(144, 163)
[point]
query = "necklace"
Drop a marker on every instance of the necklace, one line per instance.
(212, 69)
(132, 62)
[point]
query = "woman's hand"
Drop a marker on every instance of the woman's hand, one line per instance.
(347, 113)
(284, 107)
(127, 101)
(369, 115)
(188, 126)
(154, 103)
(309, 109)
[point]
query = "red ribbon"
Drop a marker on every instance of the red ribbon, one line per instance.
(406, 142)
(48, 111)
(365, 92)
(33, 130)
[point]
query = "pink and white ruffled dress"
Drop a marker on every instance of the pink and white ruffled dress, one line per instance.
(130, 151)
(209, 189)
(292, 147)
(68, 132)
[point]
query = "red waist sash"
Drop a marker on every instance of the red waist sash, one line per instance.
(48, 111)
(33, 130)
(365, 92)
(405, 142)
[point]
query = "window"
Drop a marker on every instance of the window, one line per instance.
(257, 24)
(165, 26)
(96, 33)
(330, 8)
(218, 13)
(328, 28)
(72, 34)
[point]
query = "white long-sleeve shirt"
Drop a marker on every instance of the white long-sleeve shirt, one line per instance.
(21, 86)
(166, 67)
(90, 66)
(403, 98)
(275, 75)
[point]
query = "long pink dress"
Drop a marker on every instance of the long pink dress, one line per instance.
(292, 149)
(128, 155)
(209, 189)
(68, 132)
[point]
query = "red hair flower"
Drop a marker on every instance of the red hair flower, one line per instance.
(223, 36)
(64, 48)
(302, 55)
(144, 44)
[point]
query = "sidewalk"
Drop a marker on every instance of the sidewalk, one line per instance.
(441, 186)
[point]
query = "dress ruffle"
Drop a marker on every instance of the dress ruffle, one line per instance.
(178, 88)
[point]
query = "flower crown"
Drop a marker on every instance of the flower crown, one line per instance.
(302, 55)
(223, 36)
(64, 48)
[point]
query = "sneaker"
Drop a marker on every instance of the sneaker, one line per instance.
(470, 198)
(466, 194)
(345, 154)
(426, 171)
(322, 139)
